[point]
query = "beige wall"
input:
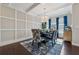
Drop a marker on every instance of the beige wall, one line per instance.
(16, 25)
(13, 24)
(7, 21)
(33, 22)
(75, 24)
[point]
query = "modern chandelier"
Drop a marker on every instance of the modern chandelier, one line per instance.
(44, 17)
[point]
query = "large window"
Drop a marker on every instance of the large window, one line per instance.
(53, 23)
(61, 26)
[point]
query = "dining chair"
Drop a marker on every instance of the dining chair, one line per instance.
(52, 37)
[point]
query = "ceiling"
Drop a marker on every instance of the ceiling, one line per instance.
(38, 8)
(19, 6)
(50, 7)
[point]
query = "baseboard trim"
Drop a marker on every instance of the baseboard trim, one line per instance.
(13, 41)
(75, 44)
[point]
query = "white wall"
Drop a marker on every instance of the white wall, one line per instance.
(69, 19)
(75, 24)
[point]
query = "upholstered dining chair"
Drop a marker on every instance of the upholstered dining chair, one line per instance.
(53, 37)
(36, 37)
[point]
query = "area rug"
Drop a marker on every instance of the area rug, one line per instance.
(55, 50)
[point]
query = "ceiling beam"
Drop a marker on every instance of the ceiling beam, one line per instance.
(33, 6)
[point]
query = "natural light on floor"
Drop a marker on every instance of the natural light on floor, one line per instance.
(59, 41)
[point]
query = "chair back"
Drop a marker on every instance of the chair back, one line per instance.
(36, 34)
(54, 35)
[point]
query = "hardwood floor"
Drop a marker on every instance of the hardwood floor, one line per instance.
(67, 48)
(75, 50)
(13, 49)
(17, 49)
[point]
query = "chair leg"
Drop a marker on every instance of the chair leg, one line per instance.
(32, 42)
(52, 43)
(39, 44)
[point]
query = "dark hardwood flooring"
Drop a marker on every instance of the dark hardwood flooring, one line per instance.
(75, 50)
(13, 49)
(17, 49)
(67, 48)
